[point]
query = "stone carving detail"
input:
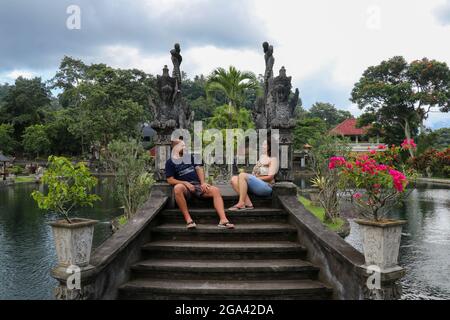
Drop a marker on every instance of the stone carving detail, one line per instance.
(61, 292)
(281, 108)
(275, 109)
(171, 110)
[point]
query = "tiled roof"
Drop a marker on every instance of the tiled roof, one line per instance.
(348, 128)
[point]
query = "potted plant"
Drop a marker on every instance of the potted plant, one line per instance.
(69, 187)
(376, 186)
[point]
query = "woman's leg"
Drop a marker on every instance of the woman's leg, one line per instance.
(235, 185)
(243, 189)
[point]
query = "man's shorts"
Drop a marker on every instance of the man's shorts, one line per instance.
(198, 193)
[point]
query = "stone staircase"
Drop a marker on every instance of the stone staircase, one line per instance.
(260, 259)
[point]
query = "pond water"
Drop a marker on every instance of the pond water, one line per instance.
(27, 252)
(425, 244)
(26, 243)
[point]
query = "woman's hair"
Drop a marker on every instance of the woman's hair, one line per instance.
(269, 146)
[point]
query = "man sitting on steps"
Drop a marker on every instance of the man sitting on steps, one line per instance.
(189, 180)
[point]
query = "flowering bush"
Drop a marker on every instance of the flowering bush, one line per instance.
(433, 163)
(377, 174)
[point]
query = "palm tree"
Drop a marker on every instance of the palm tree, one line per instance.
(233, 83)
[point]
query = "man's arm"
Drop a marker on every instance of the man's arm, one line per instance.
(173, 182)
(201, 177)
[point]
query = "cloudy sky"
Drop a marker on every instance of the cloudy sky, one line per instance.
(325, 45)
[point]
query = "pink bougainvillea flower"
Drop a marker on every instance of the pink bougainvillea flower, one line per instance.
(381, 147)
(408, 144)
(336, 162)
(357, 195)
(399, 180)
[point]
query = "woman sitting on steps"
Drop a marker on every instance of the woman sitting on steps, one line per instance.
(259, 183)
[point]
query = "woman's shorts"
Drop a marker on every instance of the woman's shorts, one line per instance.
(258, 187)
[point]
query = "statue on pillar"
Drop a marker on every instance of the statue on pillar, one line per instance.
(275, 109)
(171, 110)
(282, 109)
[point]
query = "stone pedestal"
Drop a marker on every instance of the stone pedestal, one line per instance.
(74, 283)
(383, 284)
(282, 189)
(286, 155)
(162, 145)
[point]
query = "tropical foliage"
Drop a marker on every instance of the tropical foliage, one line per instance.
(68, 186)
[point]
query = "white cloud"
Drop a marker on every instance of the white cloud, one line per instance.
(20, 73)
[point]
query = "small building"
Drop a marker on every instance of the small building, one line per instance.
(348, 129)
(359, 140)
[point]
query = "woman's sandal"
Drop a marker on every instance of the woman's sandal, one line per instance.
(226, 225)
(236, 208)
(191, 225)
(249, 207)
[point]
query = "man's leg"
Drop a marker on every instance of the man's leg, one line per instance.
(180, 198)
(235, 185)
(214, 193)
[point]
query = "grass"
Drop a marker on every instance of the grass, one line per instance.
(24, 179)
(319, 212)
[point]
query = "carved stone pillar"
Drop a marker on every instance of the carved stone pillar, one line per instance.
(162, 153)
(286, 155)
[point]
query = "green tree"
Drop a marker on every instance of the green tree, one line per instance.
(308, 129)
(7, 142)
(106, 103)
(400, 94)
(131, 165)
(68, 185)
(225, 117)
(23, 104)
(35, 140)
(328, 113)
(62, 140)
(232, 83)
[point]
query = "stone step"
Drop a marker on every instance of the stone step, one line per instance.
(247, 231)
(224, 250)
(209, 215)
(229, 201)
(224, 269)
(218, 289)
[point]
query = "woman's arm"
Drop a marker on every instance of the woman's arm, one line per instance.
(273, 170)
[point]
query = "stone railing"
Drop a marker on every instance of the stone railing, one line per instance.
(341, 265)
(110, 262)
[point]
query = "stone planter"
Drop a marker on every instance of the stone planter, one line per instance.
(314, 196)
(381, 242)
(73, 241)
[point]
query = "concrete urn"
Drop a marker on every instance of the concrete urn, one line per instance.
(381, 242)
(73, 241)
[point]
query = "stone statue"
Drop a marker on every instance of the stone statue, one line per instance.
(280, 107)
(176, 73)
(171, 110)
(165, 115)
(259, 113)
(275, 109)
(270, 62)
